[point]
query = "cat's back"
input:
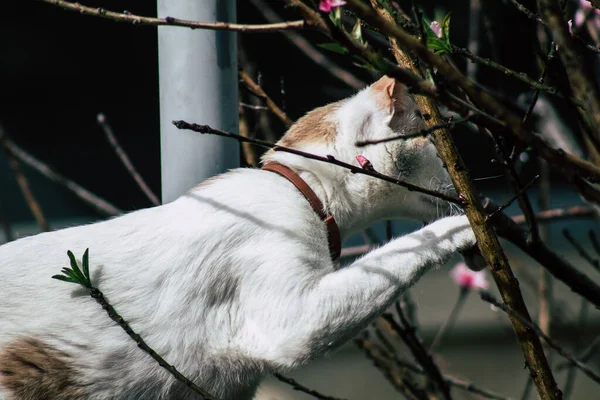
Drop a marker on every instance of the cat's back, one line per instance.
(239, 221)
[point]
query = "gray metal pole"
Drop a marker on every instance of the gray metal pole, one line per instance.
(198, 83)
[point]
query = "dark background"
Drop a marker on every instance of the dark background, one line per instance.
(59, 69)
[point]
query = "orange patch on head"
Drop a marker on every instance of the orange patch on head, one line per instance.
(314, 127)
(32, 369)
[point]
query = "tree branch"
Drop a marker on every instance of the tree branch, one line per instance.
(488, 243)
(170, 21)
(568, 165)
(301, 388)
(99, 204)
(205, 129)
(558, 267)
(110, 136)
(23, 182)
(309, 50)
(578, 72)
(260, 93)
(512, 313)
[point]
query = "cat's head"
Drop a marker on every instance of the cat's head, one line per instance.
(380, 111)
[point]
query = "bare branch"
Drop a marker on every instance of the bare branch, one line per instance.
(568, 165)
(583, 367)
(557, 266)
(99, 204)
(422, 132)
(110, 136)
(579, 74)
(487, 241)
(170, 21)
(559, 214)
(301, 388)
(520, 193)
(205, 129)
(260, 93)
(308, 49)
(23, 182)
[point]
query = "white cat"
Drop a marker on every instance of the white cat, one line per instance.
(234, 279)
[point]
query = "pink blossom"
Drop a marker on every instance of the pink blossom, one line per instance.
(436, 28)
(465, 278)
(328, 5)
(364, 162)
(584, 8)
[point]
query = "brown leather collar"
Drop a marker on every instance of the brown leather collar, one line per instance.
(333, 231)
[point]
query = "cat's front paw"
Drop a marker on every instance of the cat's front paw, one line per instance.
(474, 259)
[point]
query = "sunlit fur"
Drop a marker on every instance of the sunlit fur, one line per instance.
(233, 279)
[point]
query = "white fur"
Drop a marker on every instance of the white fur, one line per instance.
(234, 279)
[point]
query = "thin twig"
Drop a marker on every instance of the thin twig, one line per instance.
(545, 282)
(308, 49)
(407, 307)
(112, 139)
(509, 72)
(205, 129)
(580, 76)
(385, 363)
(559, 214)
(567, 164)
(170, 21)
(301, 388)
(531, 15)
(594, 240)
(96, 294)
(419, 133)
(419, 351)
(585, 355)
(30, 199)
(80, 275)
(460, 384)
(581, 251)
(449, 323)
(591, 350)
(572, 371)
(23, 182)
(515, 183)
(515, 197)
(260, 93)
(558, 266)
(99, 204)
(248, 150)
(485, 296)
(536, 93)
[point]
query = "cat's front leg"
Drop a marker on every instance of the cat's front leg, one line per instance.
(345, 301)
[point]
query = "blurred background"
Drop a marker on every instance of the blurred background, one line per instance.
(59, 70)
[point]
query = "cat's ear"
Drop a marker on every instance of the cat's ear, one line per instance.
(390, 94)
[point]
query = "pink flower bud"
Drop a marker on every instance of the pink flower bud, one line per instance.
(468, 279)
(364, 163)
(328, 5)
(436, 28)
